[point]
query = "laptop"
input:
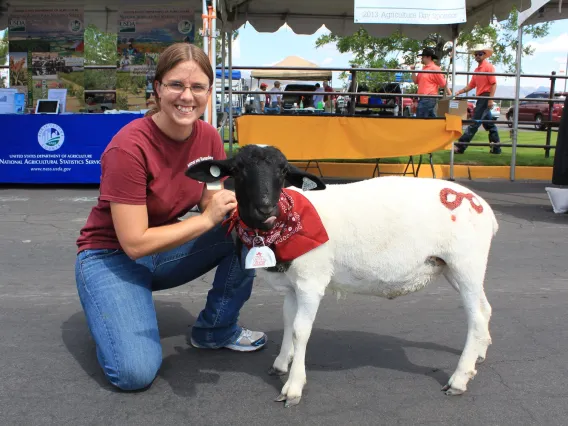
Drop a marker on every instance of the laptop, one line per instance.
(47, 106)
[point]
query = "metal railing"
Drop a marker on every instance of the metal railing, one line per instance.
(351, 94)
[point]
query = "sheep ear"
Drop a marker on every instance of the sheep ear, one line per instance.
(304, 180)
(209, 171)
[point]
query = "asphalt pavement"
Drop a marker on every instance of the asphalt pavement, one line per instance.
(370, 361)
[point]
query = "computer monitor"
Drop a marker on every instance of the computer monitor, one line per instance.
(47, 106)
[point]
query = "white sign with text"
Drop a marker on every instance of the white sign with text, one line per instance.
(417, 12)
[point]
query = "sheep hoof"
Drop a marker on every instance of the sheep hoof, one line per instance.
(290, 402)
(275, 372)
(280, 398)
(450, 391)
(480, 359)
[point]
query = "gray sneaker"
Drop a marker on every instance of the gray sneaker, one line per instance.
(247, 341)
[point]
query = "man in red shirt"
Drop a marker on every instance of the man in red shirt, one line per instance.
(486, 86)
(428, 84)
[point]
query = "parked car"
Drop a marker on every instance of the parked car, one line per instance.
(288, 100)
(495, 110)
(538, 111)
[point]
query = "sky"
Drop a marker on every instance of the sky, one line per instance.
(264, 49)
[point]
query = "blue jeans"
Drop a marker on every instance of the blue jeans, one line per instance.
(426, 107)
(116, 295)
(481, 112)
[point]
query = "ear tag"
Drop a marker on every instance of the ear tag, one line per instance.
(308, 184)
(260, 257)
(215, 172)
(214, 186)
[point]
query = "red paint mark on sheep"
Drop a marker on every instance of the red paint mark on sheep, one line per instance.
(444, 194)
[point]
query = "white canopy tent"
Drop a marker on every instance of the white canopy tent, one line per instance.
(306, 17)
(294, 61)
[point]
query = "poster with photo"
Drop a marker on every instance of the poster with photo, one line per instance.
(142, 35)
(52, 40)
(19, 73)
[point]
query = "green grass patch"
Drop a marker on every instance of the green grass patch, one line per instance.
(476, 155)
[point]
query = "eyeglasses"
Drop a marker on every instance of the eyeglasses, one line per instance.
(178, 88)
(479, 53)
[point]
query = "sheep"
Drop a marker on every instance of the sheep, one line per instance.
(384, 236)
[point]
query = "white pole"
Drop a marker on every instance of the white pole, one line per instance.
(230, 42)
(454, 53)
(565, 73)
(205, 46)
(223, 72)
(214, 65)
(515, 130)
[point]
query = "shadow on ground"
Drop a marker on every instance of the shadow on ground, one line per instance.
(328, 350)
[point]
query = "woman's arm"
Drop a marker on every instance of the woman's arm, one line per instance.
(138, 240)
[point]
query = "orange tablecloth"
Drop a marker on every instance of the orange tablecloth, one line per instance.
(353, 138)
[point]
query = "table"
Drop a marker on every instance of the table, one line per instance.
(304, 138)
(56, 149)
(309, 138)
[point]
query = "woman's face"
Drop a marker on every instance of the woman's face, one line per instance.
(178, 103)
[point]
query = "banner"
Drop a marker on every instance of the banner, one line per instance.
(142, 35)
(56, 148)
(410, 12)
(46, 52)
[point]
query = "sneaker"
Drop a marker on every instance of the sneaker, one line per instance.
(247, 341)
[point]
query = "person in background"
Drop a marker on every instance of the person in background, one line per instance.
(275, 100)
(328, 100)
(318, 98)
(486, 86)
(428, 84)
(259, 100)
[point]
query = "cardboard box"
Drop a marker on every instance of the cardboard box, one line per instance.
(452, 107)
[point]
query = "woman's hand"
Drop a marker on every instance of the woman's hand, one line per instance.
(222, 203)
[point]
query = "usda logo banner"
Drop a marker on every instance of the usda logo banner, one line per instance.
(57, 148)
(51, 137)
(127, 26)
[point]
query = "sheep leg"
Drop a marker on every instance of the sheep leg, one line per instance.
(486, 311)
(478, 312)
(308, 304)
(280, 366)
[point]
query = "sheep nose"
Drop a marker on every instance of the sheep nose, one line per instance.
(265, 210)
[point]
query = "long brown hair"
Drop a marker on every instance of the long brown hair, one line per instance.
(174, 55)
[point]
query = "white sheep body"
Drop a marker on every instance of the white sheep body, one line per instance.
(384, 233)
(388, 236)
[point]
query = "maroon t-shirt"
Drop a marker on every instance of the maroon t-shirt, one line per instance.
(141, 165)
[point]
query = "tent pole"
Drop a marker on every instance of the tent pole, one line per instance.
(205, 35)
(454, 51)
(515, 129)
(213, 43)
(230, 43)
(223, 57)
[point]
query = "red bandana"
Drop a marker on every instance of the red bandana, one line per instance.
(296, 231)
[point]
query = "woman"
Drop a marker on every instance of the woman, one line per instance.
(133, 242)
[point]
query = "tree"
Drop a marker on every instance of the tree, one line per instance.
(3, 55)
(3, 47)
(502, 36)
(100, 47)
